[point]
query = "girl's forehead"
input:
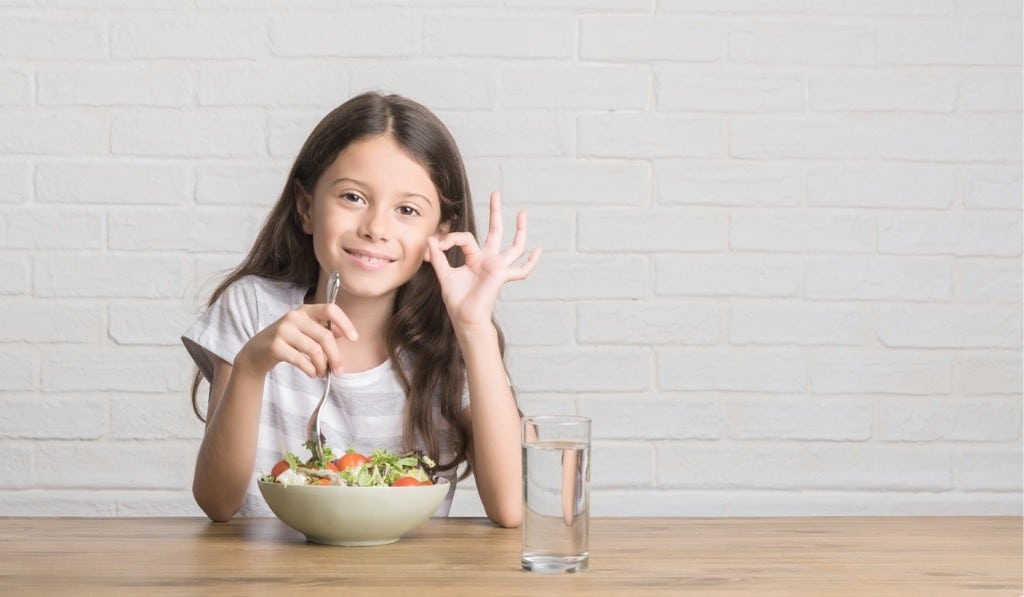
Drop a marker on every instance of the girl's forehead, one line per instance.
(379, 161)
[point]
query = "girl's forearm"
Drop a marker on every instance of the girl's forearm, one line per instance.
(496, 448)
(228, 450)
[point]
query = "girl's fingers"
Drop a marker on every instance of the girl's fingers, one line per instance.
(495, 230)
(518, 247)
(464, 240)
(341, 325)
(521, 273)
(309, 350)
(437, 258)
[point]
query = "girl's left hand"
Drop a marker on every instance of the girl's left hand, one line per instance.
(470, 291)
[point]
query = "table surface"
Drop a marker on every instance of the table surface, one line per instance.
(470, 556)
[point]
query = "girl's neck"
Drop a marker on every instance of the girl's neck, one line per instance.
(371, 318)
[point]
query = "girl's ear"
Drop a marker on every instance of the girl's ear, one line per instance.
(304, 206)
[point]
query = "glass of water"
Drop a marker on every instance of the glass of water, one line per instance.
(556, 493)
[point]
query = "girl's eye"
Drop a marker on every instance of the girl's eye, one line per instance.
(354, 198)
(407, 210)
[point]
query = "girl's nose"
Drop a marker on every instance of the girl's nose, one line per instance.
(375, 224)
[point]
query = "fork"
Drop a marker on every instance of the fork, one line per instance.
(313, 433)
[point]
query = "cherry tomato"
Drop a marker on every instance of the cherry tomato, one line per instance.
(280, 467)
(323, 481)
(406, 482)
(351, 460)
(331, 467)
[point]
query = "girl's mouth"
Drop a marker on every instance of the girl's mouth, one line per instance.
(369, 259)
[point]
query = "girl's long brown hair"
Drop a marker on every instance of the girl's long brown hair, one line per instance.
(420, 339)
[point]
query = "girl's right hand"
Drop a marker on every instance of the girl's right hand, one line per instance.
(299, 337)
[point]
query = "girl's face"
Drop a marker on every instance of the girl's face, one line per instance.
(370, 215)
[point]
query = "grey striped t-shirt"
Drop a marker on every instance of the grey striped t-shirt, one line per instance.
(365, 410)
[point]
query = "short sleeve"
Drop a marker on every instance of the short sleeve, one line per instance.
(224, 328)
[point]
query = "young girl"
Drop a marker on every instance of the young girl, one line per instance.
(379, 193)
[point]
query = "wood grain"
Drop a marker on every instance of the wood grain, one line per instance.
(629, 556)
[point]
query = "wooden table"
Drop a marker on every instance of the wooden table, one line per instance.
(629, 556)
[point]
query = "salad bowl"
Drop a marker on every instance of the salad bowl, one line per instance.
(344, 515)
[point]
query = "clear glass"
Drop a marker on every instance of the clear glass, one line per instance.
(556, 493)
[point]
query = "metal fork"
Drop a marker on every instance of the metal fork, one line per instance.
(313, 426)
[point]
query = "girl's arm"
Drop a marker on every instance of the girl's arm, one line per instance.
(227, 453)
(470, 293)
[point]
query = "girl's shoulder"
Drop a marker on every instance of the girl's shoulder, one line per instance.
(262, 289)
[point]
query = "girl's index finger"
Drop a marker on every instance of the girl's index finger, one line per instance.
(496, 228)
(341, 325)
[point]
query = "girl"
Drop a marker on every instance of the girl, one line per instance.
(379, 193)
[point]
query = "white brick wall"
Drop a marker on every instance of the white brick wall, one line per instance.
(783, 237)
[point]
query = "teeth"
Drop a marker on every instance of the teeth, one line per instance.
(372, 260)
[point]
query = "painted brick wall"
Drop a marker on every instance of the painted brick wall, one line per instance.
(783, 238)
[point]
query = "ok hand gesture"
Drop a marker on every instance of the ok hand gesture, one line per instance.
(470, 291)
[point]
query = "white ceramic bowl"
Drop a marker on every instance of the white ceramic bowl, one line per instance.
(340, 515)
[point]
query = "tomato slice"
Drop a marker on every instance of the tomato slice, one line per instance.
(406, 482)
(280, 467)
(351, 460)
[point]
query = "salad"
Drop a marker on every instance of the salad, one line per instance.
(381, 469)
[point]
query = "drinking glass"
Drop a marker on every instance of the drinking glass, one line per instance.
(556, 493)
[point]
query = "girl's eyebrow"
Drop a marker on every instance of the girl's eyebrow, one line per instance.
(364, 185)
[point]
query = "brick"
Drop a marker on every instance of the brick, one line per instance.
(981, 419)
(660, 416)
(155, 416)
(61, 417)
(882, 7)
(200, 37)
(576, 5)
(731, 369)
(800, 418)
(991, 7)
(583, 277)
(107, 275)
(728, 183)
(988, 467)
(189, 230)
(987, 280)
(546, 403)
(113, 369)
(986, 91)
(956, 40)
(512, 134)
(883, 92)
(16, 471)
(648, 322)
(156, 465)
(575, 87)
(811, 231)
(726, 275)
(854, 371)
(104, 85)
(19, 369)
(138, 182)
(992, 187)
(903, 186)
(53, 133)
(732, 6)
(240, 184)
(948, 503)
(714, 89)
(537, 323)
(578, 369)
(295, 83)
(149, 322)
(149, 504)
(34, 320)
(50, 502)
(192, 135)
(940, 326)
(286, 132)
(650, 135)
(15, 182)
(505, 37)
(15, 275)
(643, 38)
(15, 89)
(950, 233)
(317, 35)
(813, 137)
(32, 38)
(806, 467)
(877, 278)
(48, 228)
(623, 464)
(653, 230)
(801, 42)
(550, 228)
(801, 323)
(959, 138)
(439, 86)
(988, 372)
(577, 182)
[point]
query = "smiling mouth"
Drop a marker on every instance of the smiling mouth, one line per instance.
(371, 259)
